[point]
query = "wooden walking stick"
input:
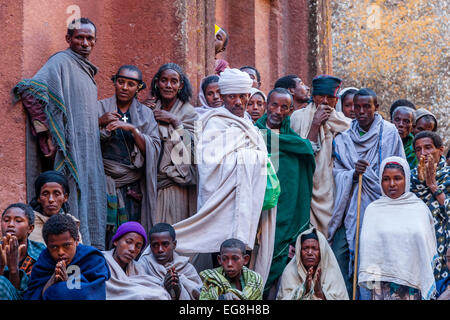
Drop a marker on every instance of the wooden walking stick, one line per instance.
(358, 212)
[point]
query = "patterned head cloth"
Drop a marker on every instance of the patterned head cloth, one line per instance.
(326, 85)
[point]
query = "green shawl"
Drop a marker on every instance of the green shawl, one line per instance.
(409, 151)
(215, 284)
(295, 163)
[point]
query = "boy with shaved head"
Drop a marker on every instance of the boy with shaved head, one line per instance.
(232, 280)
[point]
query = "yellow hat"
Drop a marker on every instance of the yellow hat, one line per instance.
(217, 29)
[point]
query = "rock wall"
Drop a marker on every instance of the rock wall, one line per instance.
(398, 48)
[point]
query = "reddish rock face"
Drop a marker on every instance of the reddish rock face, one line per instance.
(12, 120)
(277, 38)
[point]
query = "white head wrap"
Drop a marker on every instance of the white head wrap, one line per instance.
(234, 81)
(339, 103)
(406, 170)
(254, 91)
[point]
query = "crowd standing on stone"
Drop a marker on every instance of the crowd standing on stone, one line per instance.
(247, 196)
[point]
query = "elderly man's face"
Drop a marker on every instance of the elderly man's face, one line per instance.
(403, 121)
(326, 100)
(236, 103)
(425, 146)
(278, 109)
(310, 253)
(82, 40)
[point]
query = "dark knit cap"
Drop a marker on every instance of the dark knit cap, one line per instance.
(325, 85)
(50, 176)
(311, 235)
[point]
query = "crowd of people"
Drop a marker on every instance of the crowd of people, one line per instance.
(300, 194)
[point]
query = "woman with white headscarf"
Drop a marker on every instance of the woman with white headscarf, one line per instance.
(313, 273)
(209, 94)
(345, 102)
(398, 243)
(256, 105)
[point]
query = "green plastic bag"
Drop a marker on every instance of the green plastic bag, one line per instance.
(273, 188)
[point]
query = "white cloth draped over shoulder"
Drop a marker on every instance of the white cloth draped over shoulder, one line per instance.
(232, 165)
(398, 242)
(292, 286)
(190, 281)
(133, 283)
(323, 182)
(381, 141)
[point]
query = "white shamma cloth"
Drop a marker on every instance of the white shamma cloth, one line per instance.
(398, 242)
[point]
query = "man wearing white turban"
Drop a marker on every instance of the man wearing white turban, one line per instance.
(232, 160)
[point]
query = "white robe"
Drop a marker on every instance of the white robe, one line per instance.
(232, 160)
(398, 242)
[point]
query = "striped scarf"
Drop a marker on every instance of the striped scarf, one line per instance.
(215, 284)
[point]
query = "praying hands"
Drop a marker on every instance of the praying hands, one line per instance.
(172, 283)
(10, 253)
(317, 287)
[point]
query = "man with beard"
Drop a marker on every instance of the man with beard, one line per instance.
(297, 89)
(293, 158)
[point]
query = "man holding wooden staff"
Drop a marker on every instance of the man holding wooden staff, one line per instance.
(358, 151)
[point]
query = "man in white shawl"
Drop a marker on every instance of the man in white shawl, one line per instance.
(128, 280)
(359, 150)
(232, 165)
(313, 273)
(174, 272)
(398, 243)
(319, 122)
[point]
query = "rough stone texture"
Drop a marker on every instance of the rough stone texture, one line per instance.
(12, 130)
(398, 48)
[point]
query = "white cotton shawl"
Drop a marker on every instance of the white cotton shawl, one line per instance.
(133, 284)
(398, 242)
(292, 285)
(232, 165)
(190, 281)
(204, 106)
(339, 102)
